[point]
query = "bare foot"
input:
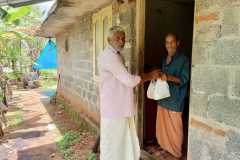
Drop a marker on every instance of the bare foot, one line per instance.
(169, 156)
(159, 151)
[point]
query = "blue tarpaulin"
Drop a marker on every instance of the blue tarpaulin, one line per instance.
(47, 58)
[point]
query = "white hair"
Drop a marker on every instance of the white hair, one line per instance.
(115, 29)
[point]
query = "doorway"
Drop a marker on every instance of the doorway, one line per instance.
(162, 17)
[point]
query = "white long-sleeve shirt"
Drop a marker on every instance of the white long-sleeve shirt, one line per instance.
(116, 86)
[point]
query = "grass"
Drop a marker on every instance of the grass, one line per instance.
(91, 156)
(70, 138)
(48, 84)
(76, 117)
(15, 117)
(73, 137)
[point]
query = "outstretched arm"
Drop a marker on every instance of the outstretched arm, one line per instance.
(149, 76)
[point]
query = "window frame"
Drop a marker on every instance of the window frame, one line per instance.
(99, 17)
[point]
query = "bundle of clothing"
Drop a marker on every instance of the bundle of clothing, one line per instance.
(30, 80)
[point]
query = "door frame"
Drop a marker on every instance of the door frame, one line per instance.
(139, 55)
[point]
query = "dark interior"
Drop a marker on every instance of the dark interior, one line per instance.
(162, 17)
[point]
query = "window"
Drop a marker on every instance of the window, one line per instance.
(102, 21)
(66, 45)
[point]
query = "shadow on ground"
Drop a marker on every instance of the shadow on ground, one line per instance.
(36, 153)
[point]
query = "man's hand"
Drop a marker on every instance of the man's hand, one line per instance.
(155, 74)
(163, 76)
(171, 78)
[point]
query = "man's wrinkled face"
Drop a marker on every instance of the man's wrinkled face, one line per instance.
(117, 41)
(171, 44)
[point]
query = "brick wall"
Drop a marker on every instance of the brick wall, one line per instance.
(214, 132)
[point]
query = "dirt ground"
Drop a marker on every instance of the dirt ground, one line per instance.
(37, 128)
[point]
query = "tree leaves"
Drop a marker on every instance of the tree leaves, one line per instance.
(14, 14)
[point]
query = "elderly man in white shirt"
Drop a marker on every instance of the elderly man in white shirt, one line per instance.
(118, 137)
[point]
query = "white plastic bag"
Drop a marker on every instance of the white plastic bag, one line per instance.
(150, 90)
(158, 90)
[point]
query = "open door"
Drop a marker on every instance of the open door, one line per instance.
(162, 17)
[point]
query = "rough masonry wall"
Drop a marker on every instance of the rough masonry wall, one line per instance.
(124, 16)
(77, 84)
(214, 132)
(76, 66)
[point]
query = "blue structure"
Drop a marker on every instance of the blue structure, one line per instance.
(47, 58)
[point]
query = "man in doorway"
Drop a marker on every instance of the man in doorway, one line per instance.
(175, 68)
(118, 137)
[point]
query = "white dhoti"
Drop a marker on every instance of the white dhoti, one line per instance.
(118, 139)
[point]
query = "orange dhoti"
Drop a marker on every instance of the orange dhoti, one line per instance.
(169, 131)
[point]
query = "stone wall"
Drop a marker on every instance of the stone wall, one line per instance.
(214, 132)
(75, 58)
(124, 15)
(76, 66)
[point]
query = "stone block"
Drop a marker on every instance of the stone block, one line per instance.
(229, 16)
(226, 52)
(236, 85)
(198, 104)
(205, 146)
(68, 78)
(210, 80)
(80, 84)
(224, 110)
(129, 33)
(230, 24)
(201, 52)
(84, 65)
(227, 3)
(207, 32)
(209, 4)
(84, 75)
(232, 146)
(67, 84)
(203, 4)
(229, 30)
(126, 16)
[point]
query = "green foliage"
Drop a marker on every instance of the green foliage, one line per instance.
(17, 120)
(92, 156)
(48, 84)
(84, 127)
(3, 13)
(14, 14)
(18, 50)
(15, 75)
(48, 73)
(1, 94)
(15, 117)
(68, 154)
(14, 34)
(49, 79)
(69, 139)
(76, 117)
